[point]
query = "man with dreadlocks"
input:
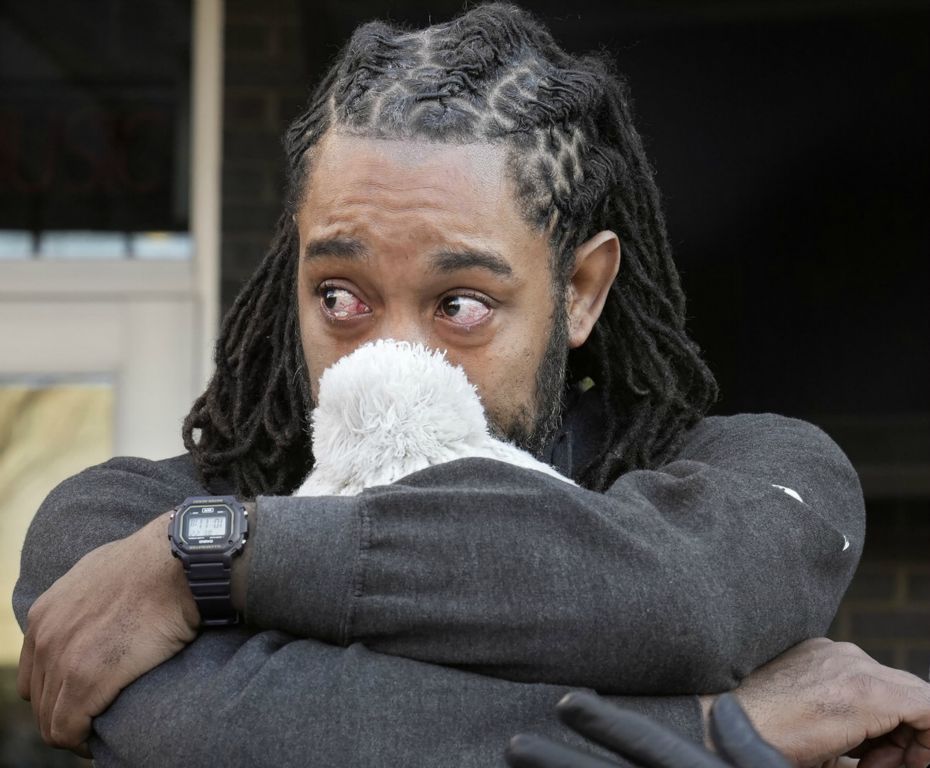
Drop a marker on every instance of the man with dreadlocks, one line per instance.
(471, 187)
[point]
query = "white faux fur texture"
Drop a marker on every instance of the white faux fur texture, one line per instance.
(391, 408)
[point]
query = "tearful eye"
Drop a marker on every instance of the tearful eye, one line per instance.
(463, 310)
(341, 304)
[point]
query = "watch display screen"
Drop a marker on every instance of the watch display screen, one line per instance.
(206, 523)
(206, 526)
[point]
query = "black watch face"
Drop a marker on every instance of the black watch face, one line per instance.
(207, 525)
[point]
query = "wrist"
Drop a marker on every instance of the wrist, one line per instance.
(168, 572)
(239, 577)
(707, 703)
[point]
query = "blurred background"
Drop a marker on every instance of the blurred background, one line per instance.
(141, 176)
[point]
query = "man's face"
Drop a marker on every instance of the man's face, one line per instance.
(424, 242)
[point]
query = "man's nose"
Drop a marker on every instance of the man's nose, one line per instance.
(404, 328)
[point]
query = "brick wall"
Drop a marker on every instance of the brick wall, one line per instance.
(887, 608)
(265, 87)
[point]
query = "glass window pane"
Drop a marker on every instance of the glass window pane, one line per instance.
(82, 245)
(48, 431)
(94, 127)
(15, 244)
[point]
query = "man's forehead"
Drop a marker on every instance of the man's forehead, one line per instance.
(470, 164)
(436, 199)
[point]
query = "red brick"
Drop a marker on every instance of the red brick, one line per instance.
(918, 662)
(876, 583)
(918, 586)
(902, 624)
(249, 39)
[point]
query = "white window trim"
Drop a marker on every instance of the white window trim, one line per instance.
(206, 167)
(198, 278)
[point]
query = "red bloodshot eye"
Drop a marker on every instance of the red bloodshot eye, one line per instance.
(463, 310)
(341, 304)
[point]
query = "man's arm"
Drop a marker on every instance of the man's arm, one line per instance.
(675, 581)
(272, 700)
(268, 685)
(260, 688)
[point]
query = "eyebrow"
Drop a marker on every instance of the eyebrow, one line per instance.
(452, 261)
(340, 247)
(442, 262)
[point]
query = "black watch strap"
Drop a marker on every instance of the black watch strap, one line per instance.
(209, 580)
(218, 527)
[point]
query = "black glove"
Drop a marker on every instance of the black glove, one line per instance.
(644, 742)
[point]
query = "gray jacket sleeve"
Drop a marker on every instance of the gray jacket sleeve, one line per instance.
(675, 581)
(272, 700)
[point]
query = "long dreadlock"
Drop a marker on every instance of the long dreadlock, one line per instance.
(495, 75)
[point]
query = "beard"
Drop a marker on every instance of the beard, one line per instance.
(533, 430)
(530, 429)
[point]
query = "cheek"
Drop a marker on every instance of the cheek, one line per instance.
(515, 382)
(505, 378)
(317, 354)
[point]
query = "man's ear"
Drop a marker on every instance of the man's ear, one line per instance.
(597, 262)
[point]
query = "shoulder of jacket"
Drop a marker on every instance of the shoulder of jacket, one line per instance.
(754, 431)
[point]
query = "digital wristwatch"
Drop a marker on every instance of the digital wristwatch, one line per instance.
(206, 533)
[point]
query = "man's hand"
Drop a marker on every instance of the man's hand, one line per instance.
(645, 742)
(816, 703)
(821, 700)
(121, 610)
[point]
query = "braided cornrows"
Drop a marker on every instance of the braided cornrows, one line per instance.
(492, 75)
